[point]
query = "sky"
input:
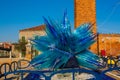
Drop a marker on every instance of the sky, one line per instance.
(20, 14)
(108, 16)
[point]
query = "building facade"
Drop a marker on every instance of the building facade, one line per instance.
(27, 34)
(110, 43)
(30, 32)
(5, 49)
(84, 12)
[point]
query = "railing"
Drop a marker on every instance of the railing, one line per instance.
(20, 72)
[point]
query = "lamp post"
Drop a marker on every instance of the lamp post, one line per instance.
(98, 43)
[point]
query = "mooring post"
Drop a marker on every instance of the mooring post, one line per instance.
(73, 76)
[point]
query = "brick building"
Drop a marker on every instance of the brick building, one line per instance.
(110, 43)
(84, 11)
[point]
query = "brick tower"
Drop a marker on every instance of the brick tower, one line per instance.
(85, 11)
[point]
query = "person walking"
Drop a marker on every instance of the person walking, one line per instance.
(118, 61)
(111, 62)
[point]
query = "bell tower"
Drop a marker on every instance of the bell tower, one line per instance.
(85, 11)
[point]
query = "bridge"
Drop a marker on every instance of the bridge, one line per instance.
(20, 70)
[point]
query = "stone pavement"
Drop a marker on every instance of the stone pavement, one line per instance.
(114, 74)
(9, 60)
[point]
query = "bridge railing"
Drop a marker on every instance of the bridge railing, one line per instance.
(13, 66)
(47, 75)
(21, 71)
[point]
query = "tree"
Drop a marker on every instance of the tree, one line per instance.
(21, 46)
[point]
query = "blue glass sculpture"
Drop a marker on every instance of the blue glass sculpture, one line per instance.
(65, 47)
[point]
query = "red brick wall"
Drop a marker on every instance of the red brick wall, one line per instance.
(85, 11)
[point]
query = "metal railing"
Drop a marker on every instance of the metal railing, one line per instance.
(19, 71)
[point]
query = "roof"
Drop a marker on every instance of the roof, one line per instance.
(36, 28)
(110, 34)
(5, 46)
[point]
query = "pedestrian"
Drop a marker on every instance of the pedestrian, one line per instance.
(118, 61)
(111, 62)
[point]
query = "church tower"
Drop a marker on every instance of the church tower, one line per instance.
(85, 11)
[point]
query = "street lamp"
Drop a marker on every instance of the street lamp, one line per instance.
(98, 43)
